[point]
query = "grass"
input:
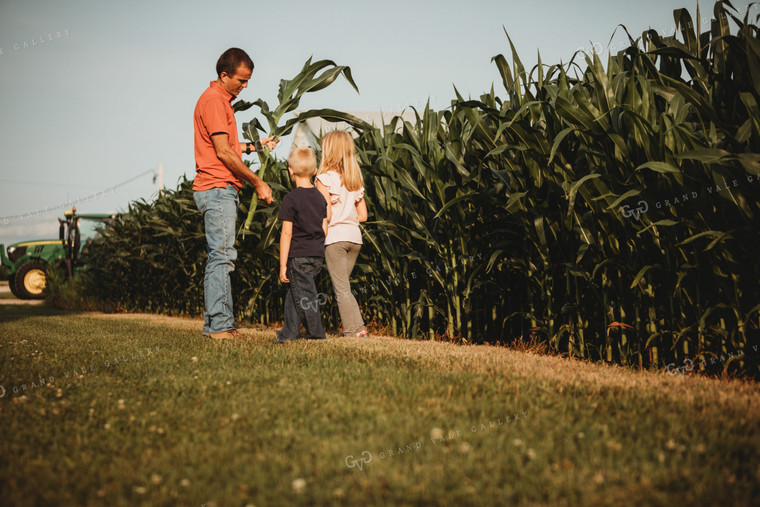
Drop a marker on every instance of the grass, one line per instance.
(157, 415)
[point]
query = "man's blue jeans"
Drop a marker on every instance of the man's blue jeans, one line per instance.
(302, 301)
(218, 206)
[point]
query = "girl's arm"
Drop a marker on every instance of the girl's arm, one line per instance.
(326, 194)
(361, 210)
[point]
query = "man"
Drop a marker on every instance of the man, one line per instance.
(220, 173)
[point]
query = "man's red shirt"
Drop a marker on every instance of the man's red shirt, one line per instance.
(213, 114)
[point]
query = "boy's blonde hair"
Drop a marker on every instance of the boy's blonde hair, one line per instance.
(339, 155)
(303, 161)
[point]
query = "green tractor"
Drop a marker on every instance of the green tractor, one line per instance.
(28, 261)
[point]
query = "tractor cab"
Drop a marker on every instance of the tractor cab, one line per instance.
(73, 231)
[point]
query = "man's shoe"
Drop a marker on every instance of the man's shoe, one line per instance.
(224, 335)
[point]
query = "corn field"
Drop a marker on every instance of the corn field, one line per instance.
(609, 210)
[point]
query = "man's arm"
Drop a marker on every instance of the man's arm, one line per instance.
(234, 163)
(285, 237)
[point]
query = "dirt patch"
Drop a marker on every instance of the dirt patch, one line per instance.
(28, 302)
(7, 298)
(195, 323)
(558, 372)
(180, 322)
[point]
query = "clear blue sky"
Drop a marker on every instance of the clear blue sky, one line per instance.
(113, 96)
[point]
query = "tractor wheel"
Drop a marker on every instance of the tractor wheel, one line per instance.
(31, 280)
(12, 285)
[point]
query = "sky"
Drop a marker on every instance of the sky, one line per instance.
(95, 95)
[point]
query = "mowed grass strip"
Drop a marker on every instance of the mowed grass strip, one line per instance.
(157, 415)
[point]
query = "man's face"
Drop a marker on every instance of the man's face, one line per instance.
(235, 84)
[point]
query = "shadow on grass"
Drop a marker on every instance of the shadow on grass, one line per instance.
(12, 313)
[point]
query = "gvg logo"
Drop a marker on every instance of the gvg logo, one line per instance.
(688, 364)
(365, 459)
(627, 212)
(315, 304)
(321, 300)
(682, 369)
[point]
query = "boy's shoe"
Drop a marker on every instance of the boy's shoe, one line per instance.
(362, 334)
(280, 339)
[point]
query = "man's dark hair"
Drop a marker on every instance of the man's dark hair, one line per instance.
(231, 60)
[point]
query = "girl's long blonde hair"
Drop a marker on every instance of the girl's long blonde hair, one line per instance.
(339, 155)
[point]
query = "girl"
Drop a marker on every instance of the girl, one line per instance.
(340, 181)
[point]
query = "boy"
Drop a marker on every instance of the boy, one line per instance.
(302, 248)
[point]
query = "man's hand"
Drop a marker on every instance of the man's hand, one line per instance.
(284, 274)
(263, 190)
(234, 163)
(269, 142)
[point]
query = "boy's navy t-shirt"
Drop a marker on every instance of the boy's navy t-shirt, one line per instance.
(306, 208)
